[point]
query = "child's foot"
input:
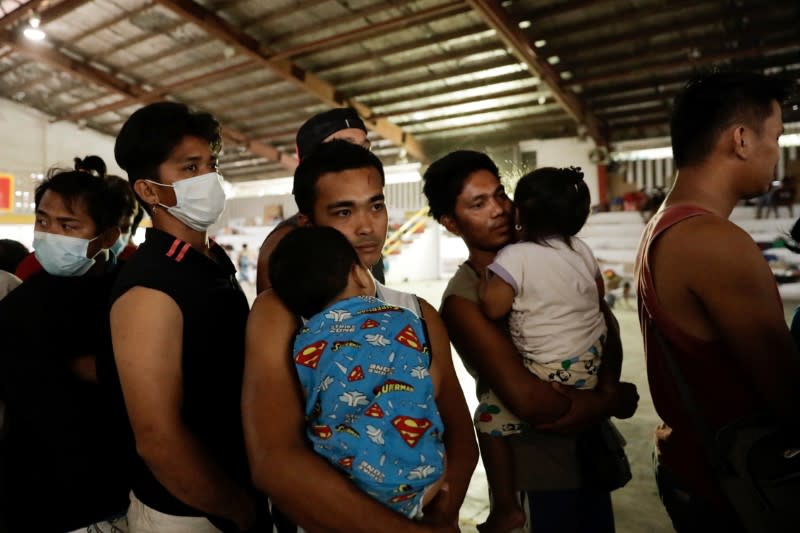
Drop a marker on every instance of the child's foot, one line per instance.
(503, 520)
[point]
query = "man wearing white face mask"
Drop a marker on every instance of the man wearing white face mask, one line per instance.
(64, 449)
(178, 320)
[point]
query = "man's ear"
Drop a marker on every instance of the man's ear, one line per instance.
(741, 141)
(448, 222)
(304, 221)
(146, 192)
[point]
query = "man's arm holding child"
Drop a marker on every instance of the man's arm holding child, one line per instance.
(496, 295)
(283, 465)
(459, 436)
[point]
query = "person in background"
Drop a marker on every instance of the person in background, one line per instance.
(131, 217)
(244, 264)
(63, 454)
(91, 164)
(11, 255)
(341, 123)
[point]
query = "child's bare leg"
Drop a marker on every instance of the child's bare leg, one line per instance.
(498, 460)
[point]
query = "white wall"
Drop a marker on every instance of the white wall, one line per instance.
(30, 143)
(419, 259)
(566, 152)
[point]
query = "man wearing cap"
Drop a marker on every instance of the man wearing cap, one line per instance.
(338, 123)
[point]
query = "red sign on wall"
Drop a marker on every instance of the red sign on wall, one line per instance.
(6, 192)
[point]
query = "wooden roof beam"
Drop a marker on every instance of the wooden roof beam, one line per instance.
(128, 90)
(682, 24)
(19, 13)
(496, 17)
(158, 93)
(307, 81)
(454, 7)
(685, 63)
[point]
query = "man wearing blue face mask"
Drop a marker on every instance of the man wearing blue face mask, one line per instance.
(178, 321)
(63, 450)
(124, 246)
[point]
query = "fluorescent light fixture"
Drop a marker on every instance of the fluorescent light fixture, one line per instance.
(789, 139)
(34, 34)
(406, 173)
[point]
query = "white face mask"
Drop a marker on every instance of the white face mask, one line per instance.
(199, 201)
(61, 255)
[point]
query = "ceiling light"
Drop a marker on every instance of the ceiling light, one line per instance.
(524, 24)
(554, 60)
(33, 32)
(542, 100)
(566, 75)
(540, 43)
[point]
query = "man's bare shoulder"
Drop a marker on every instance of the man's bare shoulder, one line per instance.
(267, 305)
(272, 240)
(706, 236)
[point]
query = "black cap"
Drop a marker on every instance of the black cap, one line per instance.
(319, 127)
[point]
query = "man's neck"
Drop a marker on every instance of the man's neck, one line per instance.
(169, 224)
(480, 259)
(704, 187)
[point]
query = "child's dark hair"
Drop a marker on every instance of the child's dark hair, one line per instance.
(310, 267)
(552, 202)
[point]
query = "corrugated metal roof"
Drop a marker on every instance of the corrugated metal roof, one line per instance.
(443, 73)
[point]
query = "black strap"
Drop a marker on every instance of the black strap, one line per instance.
(710, 447)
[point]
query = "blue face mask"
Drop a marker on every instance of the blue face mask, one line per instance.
(120, 244)
(60, 255)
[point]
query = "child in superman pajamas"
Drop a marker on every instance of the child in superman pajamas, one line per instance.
(365, 369)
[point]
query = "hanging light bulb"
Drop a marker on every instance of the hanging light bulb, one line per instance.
(33, 32)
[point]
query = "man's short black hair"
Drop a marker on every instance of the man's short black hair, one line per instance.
(81, 187)
(334, 156)
(710, 103)
(310, 267)
(444, 179)
(552, 202)
(152, 132)
(11, 254)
